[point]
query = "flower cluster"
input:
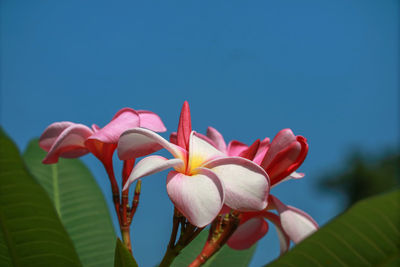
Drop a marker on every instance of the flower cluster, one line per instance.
(210, 180)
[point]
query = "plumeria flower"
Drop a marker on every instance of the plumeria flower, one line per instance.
(279, 158)
(71, 140)
(203, 178)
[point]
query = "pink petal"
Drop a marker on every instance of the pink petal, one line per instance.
(251, 151)
(184, 127)
(262, 150)
(278, 168)
(51, 133)
(296, 223)
(198, 197)
(173, 138)
(200, 151)
(140, 142)
(123, 120)
(293, 175)
(235, 148)
(283, 139)
(95, 127)
(151, 165)
(217, 138)
(285, 154)
(151, 121)
(103, 151)
(248, 233)
(246, 184)
(284, 241)
(70, 143)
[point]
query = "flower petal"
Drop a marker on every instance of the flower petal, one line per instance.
(293, 175)
(69, 144)
(151, 121)
(248, 233)
(151, 165)
(184, 127)
(123, 120)
(200, 151)
(296, 175)
(246, 184)
(250, 152)
(217, 138)
(139, 142)
(198, 197)
(95, 127)
(286, 153)
(103, 151)
(283, 139)
(173, 138)
(284, 241)
(296, 223)
(52, 132)
(235, 148)
(262, 150)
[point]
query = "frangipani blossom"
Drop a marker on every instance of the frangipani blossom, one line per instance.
(203, 178)
(280, 159)
(71, 140)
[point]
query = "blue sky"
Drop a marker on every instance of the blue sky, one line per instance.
(329, 70)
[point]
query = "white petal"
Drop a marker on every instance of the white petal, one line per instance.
(217, 138)
(138, 142)
(293, 175)
(198, 197)
(151, 165)
(246, 184)
(296, 223)
(201, 151)
(284, 241)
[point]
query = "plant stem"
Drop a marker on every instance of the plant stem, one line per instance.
(188, 233)
(126, 237)
(221, 230)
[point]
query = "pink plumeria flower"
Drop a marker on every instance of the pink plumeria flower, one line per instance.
(280, 159)
(71, 140)
(203, 178)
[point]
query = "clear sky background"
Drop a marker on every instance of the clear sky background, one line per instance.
(329, 70)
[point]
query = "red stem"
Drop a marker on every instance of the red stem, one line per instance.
(221, 230)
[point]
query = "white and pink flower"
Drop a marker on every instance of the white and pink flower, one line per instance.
(203, 179)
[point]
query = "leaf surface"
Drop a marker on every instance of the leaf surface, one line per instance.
(31, 233)
(123, 258)
(368, 234)
(80, 204)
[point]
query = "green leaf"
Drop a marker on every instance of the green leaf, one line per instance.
(368, 234)
(31, 233)
(224, 257)
(123, 258)
(79, 203)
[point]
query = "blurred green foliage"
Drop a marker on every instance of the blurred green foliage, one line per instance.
(364, 175)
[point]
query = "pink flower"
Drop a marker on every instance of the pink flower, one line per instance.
(71, 140)
(280, 159)
(203, 178)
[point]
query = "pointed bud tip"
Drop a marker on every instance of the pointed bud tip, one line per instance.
(138, 187)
